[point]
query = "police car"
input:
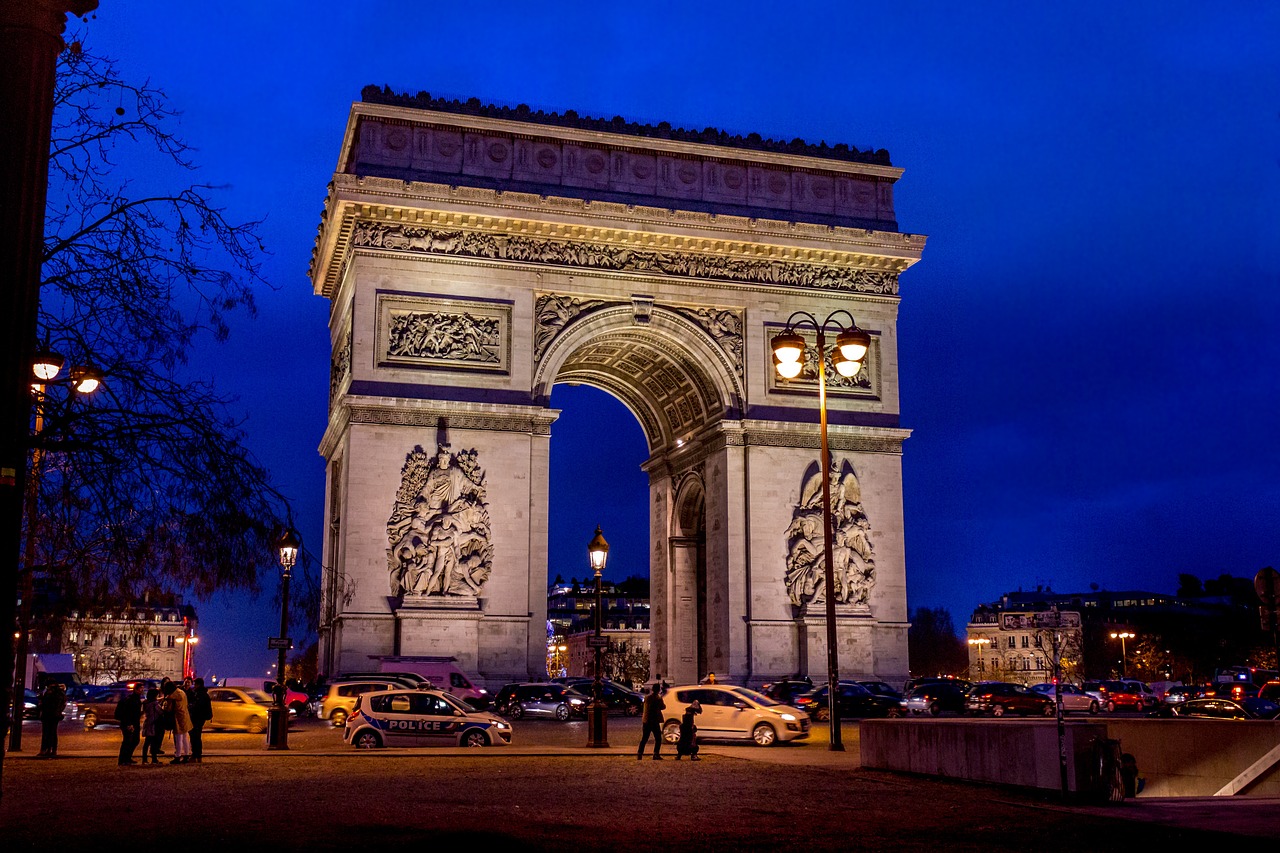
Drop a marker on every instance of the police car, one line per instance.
(417, 717)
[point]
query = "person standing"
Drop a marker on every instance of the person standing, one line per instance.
(181, 723)
(151, 731)
(651, 716)
(688, 743)
(52, 704)
(129, 716)
(201, 712)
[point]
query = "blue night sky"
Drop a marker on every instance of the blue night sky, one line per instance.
(1088, 347)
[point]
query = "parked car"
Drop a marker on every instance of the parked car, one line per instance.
(787, 689)
(1270, 690)
(1180, 694)
(1125, 694)
(100, 708)
(30, 704)
(421, 717)
(1217, 708)
(240, 708)
(853, 700)
(881, 688)
(1074, 699)
(936, 698)
(998, 698)
(913, 683)
(733, 713)
(1236, 690)
(340, 697)
(618, 699)
(540, 699)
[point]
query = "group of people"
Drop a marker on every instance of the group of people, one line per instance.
(180, 709)
(651, 718)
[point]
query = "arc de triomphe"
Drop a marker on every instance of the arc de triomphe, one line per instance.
(475, 256)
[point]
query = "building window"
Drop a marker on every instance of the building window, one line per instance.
(1026, 641)
(171, 638)
(155, 641)
(137, 641)
(106, 639)
(1013, 642)
(71, 637)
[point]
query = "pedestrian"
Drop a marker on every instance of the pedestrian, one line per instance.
(688, 743)
(166, 710)
(53, 701)
(178, 704)
(129, 716)
(651, 716)
(201, 712)
(151, 731)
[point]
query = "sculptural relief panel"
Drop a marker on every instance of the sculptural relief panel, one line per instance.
(865, 383)
(853, 556)
(429, 332)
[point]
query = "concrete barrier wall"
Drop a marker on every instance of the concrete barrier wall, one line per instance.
(1176, 758)
(1196, 758)
(1007, 752)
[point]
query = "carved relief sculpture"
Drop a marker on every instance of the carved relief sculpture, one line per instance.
(340, 365)
(853, 557)
(438, 532)
(724, 326)
(439, 335)
(552, 313)
(516, 247)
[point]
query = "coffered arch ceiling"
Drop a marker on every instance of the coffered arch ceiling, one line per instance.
(669, 381)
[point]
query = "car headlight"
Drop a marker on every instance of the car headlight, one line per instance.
(576, 702)
(499, 724)
(791, 718)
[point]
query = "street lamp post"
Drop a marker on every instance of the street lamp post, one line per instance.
(1122, 636)
(979, 643)
(46, 366)
(788, 353)
(278, 714)
(597, 711)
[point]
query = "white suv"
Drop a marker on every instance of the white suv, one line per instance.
(408, 717)
(736, 713)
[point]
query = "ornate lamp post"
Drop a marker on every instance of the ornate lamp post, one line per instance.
(597, 711)
(788, 356)
(1122, 636)
(278, 715)
(46, 365)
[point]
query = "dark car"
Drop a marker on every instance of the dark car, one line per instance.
(1183, 693)
(936, 698)
(540, 699)
(853, 700)
(913, 683)
(787, 689)
(30, 704)
(618, 699)
(1217, 708)
(881, 688)
(100, 708)
(998, 698)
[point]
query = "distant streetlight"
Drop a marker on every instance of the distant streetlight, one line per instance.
(979, 643)
(1122, 636)
(788, 356)
(45, 365)
(278, 714)
(597, 712)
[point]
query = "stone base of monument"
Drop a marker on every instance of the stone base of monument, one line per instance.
(445, 626)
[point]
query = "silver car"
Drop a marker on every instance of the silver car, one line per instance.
(1074, 700)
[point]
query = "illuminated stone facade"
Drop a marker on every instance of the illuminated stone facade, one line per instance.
(473, 259)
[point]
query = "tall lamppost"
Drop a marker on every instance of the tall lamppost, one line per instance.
(1122, 636)
(788, 355)
(278, 714)
(46, 365)
(597, 711)
(188, 641)
(979, 643)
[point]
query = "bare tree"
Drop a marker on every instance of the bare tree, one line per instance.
(148, 485)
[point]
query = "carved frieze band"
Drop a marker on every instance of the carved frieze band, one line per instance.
(457, 420)
(427, 239)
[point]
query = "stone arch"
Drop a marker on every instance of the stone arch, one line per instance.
(687, 541)
(667, 370)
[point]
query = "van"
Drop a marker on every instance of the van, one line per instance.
(442, 672)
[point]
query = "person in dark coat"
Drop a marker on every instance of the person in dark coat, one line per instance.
(129, 715)
(651, 717)
(201, 710)
(52, 704)
(151, 731)
(688, 743)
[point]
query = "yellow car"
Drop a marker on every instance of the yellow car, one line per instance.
(240, 708)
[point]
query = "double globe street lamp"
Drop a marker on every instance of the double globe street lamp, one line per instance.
(45, 366)
(851, 347)
(1122, 636)
(597, 711)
